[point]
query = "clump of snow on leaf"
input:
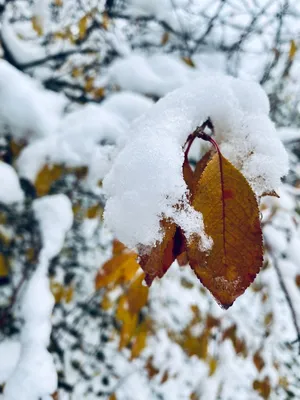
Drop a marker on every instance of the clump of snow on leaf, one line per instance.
(146, 181)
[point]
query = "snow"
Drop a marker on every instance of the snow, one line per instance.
(11, 191)
(22, 51)
(128, 105)
(86, 137)
(90, 136)
(41, 11)
(35, 374)
(55, 217)
(9, 354)
(27, 110)
(146, 181)
(154, 75)
(289, 134)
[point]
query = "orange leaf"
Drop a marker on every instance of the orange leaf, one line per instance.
(158, 261)
(231, 217)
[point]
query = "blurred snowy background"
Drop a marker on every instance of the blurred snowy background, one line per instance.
(74, 74)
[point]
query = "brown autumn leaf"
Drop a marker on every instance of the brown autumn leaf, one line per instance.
(263, 387)
(258, 361)
(231, 218)
(4, 271)
(158, 261)
(165, 38)
(272, 193)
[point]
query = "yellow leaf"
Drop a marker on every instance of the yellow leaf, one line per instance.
(197, 346)
(99, 93)
(89, 84)
(106, 304)
(57, 290)
(268, 319)
(118, 247)
(127, 331)
(76, 72)
(58, 3)
(112, 397)
(3, 267)
(37, 25)
(293, 50)
(46, 177)
(30, 254)
(82, 26)
(213, 364)
(94, 211)
(231, 218)
(137, 295)
(188, 61)
(105, 21)
(119, 267)
(68, 294)
(139, 342)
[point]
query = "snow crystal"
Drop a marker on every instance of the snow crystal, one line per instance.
(11, 191)
(146, 181)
